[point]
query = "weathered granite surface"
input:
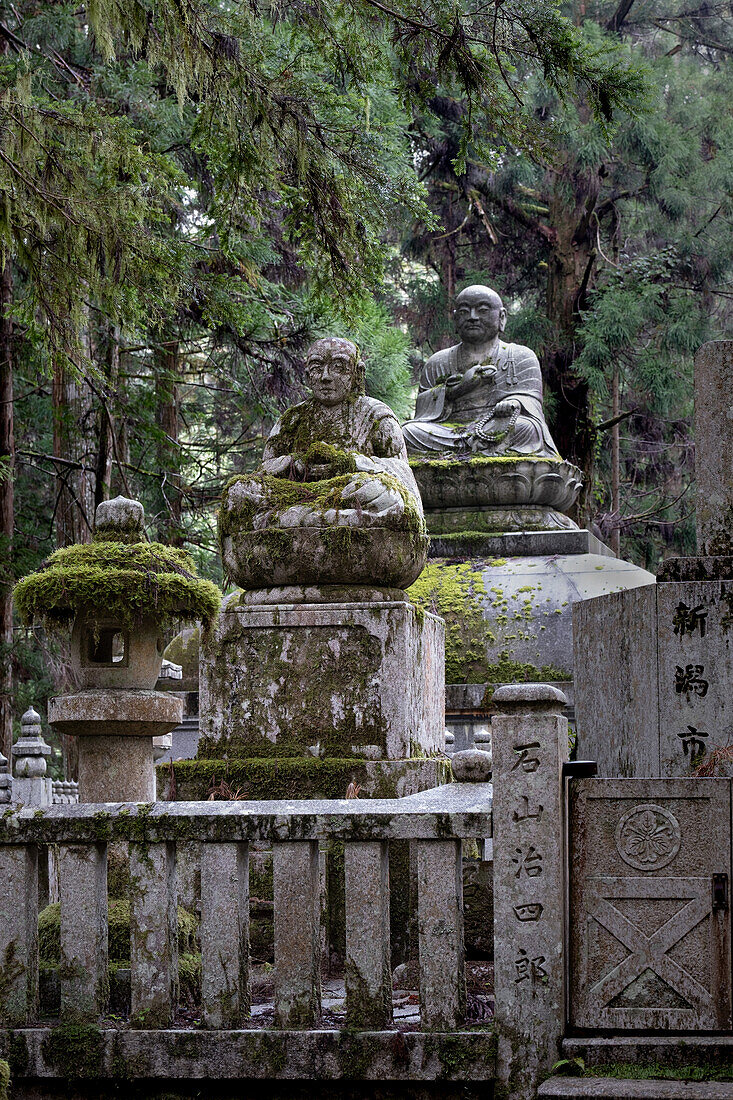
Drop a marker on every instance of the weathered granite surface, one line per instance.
(650, 937)
(509, 618)
(329, 679)
(318, 1055)
(530, 745)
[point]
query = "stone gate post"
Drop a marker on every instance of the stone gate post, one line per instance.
(530, 745)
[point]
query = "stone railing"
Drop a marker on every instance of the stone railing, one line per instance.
(65, 792)
(523, 812)
(436, 822)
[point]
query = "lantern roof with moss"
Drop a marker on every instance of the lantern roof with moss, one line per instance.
(117, 576)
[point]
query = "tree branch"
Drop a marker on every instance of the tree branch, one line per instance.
(617, 20)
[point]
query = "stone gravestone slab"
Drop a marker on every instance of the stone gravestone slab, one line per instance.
(695, 670)
(654, 667)
(649, 921)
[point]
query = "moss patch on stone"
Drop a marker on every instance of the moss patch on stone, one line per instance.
(633, 1072)
(4, 1079)
(476, 650)
(49, 933)
(456, 463)
(454, 591)
(74, 1050)
(125, 581)
(279, 778)
(278, 494)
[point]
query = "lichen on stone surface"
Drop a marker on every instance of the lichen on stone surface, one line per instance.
(455, 591)
(125, 581)
(477, 646)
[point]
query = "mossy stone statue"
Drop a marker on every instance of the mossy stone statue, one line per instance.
(334, 501)
(117, 593)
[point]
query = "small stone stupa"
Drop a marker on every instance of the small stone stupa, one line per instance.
(507, 562)
(321, 654)
(654, 668)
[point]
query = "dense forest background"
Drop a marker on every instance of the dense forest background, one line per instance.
(192, 191)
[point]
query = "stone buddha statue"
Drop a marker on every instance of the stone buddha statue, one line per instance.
(482, 396)
(334, 501)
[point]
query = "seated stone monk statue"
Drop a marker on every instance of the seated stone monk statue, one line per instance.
(482, 396)
(336, 462)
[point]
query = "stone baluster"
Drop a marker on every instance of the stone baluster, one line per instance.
(368, 968)
(82, 870)
(31, 786)
(440, 930)
(18, 934)
(153, 934)
(224, 934)
(440, 912)
(530, 745)
(296, 884)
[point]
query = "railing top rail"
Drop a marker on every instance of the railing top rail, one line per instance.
(457, 811)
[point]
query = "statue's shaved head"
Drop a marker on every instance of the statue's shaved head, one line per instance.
(478, 292)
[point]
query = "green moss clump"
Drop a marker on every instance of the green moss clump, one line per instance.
(457, 463)
(653, 1071)
(507, 671)
(255, 779)
(325, 454)
(456, 591)
(74, 1050)
(125, 581)
(277, 494)
(49, 932)
(4, 1079)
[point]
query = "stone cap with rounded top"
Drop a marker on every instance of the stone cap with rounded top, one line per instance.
(529, 697)
(471, 766)
(121, 516)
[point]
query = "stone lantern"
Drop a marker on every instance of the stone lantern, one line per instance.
(116, 594)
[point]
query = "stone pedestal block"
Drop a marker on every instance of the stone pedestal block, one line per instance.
(115, 731)
(330, 679)
(116, 769)
(654, 676)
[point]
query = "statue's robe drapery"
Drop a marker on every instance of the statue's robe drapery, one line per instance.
(467, 422)
(364, 429)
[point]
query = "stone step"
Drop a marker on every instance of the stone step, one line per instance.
(579, 1088)
(670, 1051)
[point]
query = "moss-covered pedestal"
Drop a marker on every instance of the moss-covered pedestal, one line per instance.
(337, 678)
(504, 575)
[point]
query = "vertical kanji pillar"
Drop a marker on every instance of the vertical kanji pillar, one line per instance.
(530, 745)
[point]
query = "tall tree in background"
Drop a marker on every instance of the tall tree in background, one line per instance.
(232, 177)
(613, 250)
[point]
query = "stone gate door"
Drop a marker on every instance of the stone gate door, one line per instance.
(649, 932)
